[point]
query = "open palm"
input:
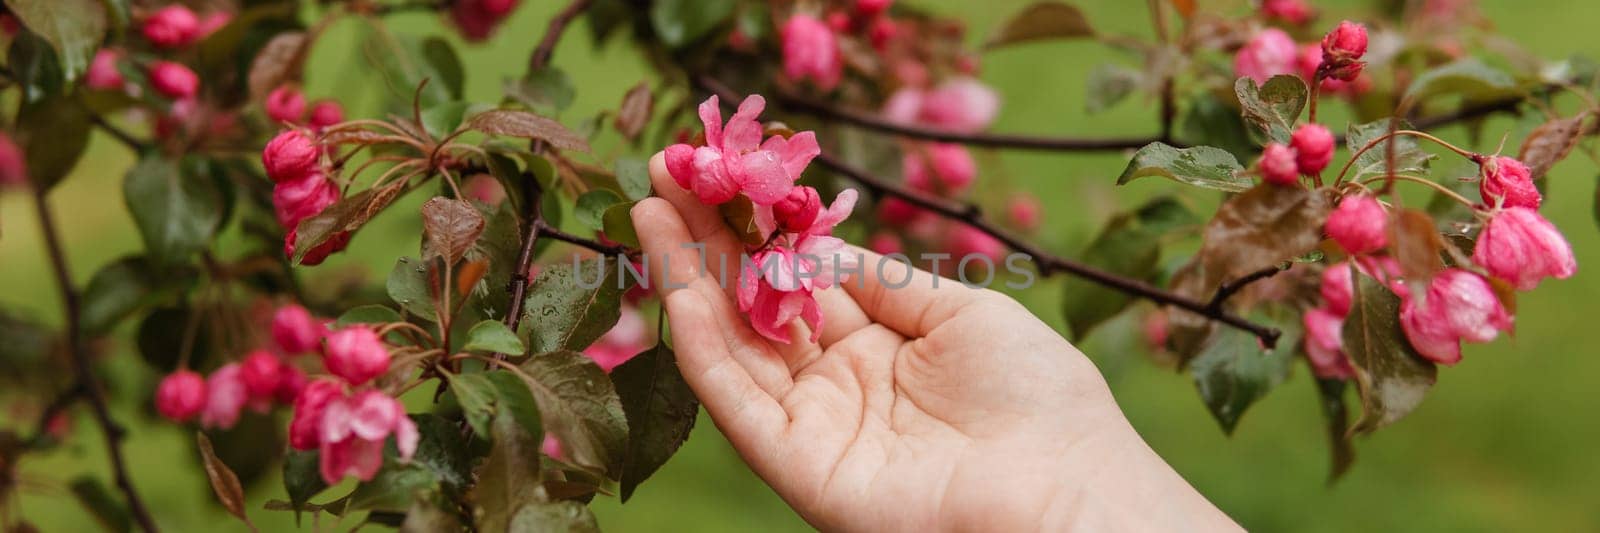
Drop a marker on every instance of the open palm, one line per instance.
(924, 406)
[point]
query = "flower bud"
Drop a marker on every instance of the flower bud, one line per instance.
(967, 241)
(305, 429)
(898, 212)
(1467, 302)
(317, 255)
(884, 243)
(1522, 248)
(1325, 345)
(914, 169)
(355, 354)
(174, 80)
(13, 163)
(680, 164)
(798, 210)
(551, 447)
(212, 22)
(498, 8)
(326, 113)
(295, 331)
(1337, 288)
(1359, 225)
(904, 107)
(103, 74)
(810, 51)
(1291, 11)
(297, 200)
(1430, 336)
(1277, 165)
(953, 164)
(1313, 148)
(260, 372)
(285, 104)
(1023, 210)
(225, 397)
(871, 8)
(1270, 53)
(291, 381)
(181, 395)
(1342, 49)
(961, 103)
(1506, 182)
(883, 30)
(173, 26)
(290, 156)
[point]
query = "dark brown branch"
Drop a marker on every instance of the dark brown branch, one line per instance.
(532, 196)
(552, 35)
(82, 367)
(1230, 288)
(121, 135)
(411, 6)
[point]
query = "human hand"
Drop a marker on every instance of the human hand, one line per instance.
(931, 406)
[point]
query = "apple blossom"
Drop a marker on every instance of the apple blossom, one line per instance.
(1522, 248)
(295, 331)
(796, 212)
(960, 103)
(305, 428)
(173, 26)
(1277, 165)
(1458, 305)
(260, 371)
(181, 395)
(285, 104)
(1313, 148)
(1359, 224)
(953, 165)
(296, 200)
(103, 74)
(352, 432)
(290, 155)
(1506, 182)
(1342, 49)
(1270, 53)
(225, 397)
(325, 113)
(1325, 345)
(735, 160)
(174, 80)
(356, 354)
(811, 51)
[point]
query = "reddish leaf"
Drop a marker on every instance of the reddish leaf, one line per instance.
(1416, 244)
(280, 61)
(528, 126)
(1551, 142)
(635, 112)
(449, 228)
(471, 273)
(223, 481)
(348, 214)
(1041, 21)
(1390, 376)
(1185, 8)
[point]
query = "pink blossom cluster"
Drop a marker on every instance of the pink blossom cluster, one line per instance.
(478, 19)
(302, 189)
(287, 105)
(1309, 151)
(812, 49)
(170, 29)
(13, 163)
(802, 254)
(1272, 52)
(261, 379)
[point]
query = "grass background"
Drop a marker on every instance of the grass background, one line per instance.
(1504, 442)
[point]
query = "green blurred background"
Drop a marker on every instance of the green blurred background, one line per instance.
(1505, 442)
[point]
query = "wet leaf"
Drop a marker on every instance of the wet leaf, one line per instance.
(449, 228)
(1042, 21)
(618, 225)
(501, 243)
(223, 481)
(1201, 166)
(177, 210)
(579, 405)
(1469, 77)
(571, 305)
(475, 394)
(1211, 122)
(1233, 371)
(510, 476)
(681, 22)
(441, 449)
(634, 114)
(1409, 157)
(660, 410)
(1416, 244)
(52, 133)
(593, 205)
(280, 61)
(73, 27)
(528, 126)
(302, 479)
(1390, 376)
(368, 314)
(347, 215)
(493, 336)
(106, 509)
(1271, 109)
(411, 286)
(1129, 245)
(1109, 84)
(1341, 451)
(404, 61)
(394, 488)
(441, 120)
(633, 176)
(425, 516)
(1550, 143)
(555, 517)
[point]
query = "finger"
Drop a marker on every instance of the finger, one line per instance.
(677, 267)
(748, 415)
(908, 300)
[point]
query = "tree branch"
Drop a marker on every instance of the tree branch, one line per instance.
(1230, 288)
(552, 35)
(83, 367)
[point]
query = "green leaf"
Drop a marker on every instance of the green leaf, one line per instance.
(681, 22)
(1109, 84)
(593, 205)
(660, 410)
(368, 314)
(106, 509)
(73, 27)
(548, 91)
(411, 285)
(493, 336)
(394, 488)
(579, 405)
(475, 393)
(1211, 122)
(1469, 77)
(1341, 451)
(1271, 109)
(510, 476)
(1042, 21)
(441, 449)
(126, 286)
(633, 175)
(555, 517)
(1130, 245)
(1409, 157)
(52, 133)
(442, 60)
(1233, 371)
(34, 67)
(302, 479)
(502, 243)
(440, 120)
(1390, 376)
(618, 224)
(569, 308)
(28, 352)
(177, 212)
(406, 60)
(1201, 166)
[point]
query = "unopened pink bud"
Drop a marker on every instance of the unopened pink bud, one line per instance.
(13, 164)
(291, 380)
(797, 211)
(871, 8)
(953, 164)
(1506, 182)
(1277, 165)
(1325, 345)
(326, 113)
(174, 80)
(961, 103)
(290, 156)
(811, 51)
(356, 354)
(295, 331)
(884, 243)
(1522, 248)
(173, 26)
(103, 74)
(285, 104)
(1023, 210)
(1337, 288)
(260, 372)
(968, 241)
(297, 200)
(1313, 148)
(181, 396)
(318, 254)
(1342, 49)
(1270, 53)
(212, 22)
(1359, 224)
(305, 429)
(1291, 11)
(225, 397)
(897, 212)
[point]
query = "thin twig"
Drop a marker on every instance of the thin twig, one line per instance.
(552, 35)
(83, 367)
(1230, 288)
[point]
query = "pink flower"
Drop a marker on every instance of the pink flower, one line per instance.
(174, 80)
(735, 160)
(225, 397)
(796, 212)
(1457, 306)
(871, 8)
(477, 19)
(317, 255)
(953, 164)
(353, 430)
(1023, 210)
(260, 372)
(1156, 330)
(884, 243)
(212, 22)
(485, 188)
(898, 212)
(181, 395)
(1359, 225)
(965, 241)
(1325, 345)
(285, 104)
(551, 447)
(1313, 148)
(904, 107)
(174, 26)
(295, 331)
(291, 381)
(1337, 288)
(356, 354)
(1270, 53)
(1522, 248)
(13, 164)
(1506, 182)
(300, 199)
(326, 113)
(626, 339)
(777, 287)
(1290, 11)
(1342, 49)
(290, 156)
(961, 104)
(305, 428)
(810, 51)
(883, 31)
(103, 74)
(914, 168)
(1277, 165)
